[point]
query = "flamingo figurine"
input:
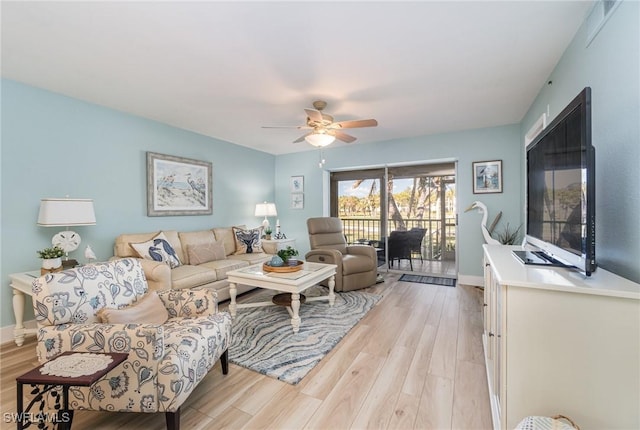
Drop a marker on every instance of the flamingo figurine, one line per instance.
(483, 224)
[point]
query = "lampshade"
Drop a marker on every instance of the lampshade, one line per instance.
(65, 212)
(266, 209)
(319, 139)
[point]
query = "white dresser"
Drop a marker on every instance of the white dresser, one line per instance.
(557, 342)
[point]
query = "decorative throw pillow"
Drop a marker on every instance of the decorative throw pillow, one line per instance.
(248, 241)
(205, 252)
(148, 310)
(158, 249)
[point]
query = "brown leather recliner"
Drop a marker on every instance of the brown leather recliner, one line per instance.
(357, 264)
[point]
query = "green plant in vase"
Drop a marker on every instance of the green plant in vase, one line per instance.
(267, 233)
(51, 259)
(48, 253)
(288, 255)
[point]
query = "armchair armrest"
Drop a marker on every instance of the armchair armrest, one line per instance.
(367, 250)
(188, 303)
(327, 256)
(144, 342)
(158, 274)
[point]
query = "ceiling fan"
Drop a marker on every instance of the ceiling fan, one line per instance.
(323, 129)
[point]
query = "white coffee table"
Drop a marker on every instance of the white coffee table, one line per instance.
(291, 282)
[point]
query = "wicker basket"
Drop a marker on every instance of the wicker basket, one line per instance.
(556, 422)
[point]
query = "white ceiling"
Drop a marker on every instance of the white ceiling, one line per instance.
(225, 69)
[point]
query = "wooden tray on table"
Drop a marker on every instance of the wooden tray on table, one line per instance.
(282, 269)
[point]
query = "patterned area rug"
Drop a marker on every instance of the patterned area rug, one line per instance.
(448, 282)
(263, 340)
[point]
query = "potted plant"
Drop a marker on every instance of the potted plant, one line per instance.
(289, 255)
(51, 259)
(267, 233)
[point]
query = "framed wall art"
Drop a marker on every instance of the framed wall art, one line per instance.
(487, 177)
(297, 184)
(178, 186)
(297, 201)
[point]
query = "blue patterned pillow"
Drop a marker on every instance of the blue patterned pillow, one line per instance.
(158, 249)
(248, 241)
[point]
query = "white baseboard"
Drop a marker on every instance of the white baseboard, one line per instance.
(6, 333)
(477, 281)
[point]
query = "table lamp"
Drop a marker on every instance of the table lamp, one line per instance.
(66, 212)
(266, 209)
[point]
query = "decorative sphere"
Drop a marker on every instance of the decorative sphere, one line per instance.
(276, 261)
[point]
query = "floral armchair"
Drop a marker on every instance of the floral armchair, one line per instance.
(166, 361)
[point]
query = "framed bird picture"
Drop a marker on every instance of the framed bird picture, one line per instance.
(178, 186)
(487, 177)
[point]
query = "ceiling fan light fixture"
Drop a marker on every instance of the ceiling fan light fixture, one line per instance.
(320, 139)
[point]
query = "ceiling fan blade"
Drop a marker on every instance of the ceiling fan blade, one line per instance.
(355, 123)
(314, 115)
(343, 136)
(301, 138)
(299, 127)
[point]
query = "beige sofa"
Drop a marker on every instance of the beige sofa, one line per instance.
(210, 275)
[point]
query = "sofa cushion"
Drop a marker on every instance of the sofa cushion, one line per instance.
(194, 238)
(149, 310)
(225, 235)
(254, 258)
(189, 276)
(221, 267)
(158, 249)
(248, 241)
(205, 252)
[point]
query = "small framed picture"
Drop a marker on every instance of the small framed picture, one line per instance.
(297, 184)
(297, 201)
(487, 177)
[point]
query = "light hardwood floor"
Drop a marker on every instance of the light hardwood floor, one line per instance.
(414, 362)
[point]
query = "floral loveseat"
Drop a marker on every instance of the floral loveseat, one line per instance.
(166, 359)
(196, 259)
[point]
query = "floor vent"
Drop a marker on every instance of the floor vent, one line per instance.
(600, 13)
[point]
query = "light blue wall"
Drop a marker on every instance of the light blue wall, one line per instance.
(497, 143)
(54, 146)
(610, 65)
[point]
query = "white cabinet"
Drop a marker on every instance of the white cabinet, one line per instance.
(557, 342)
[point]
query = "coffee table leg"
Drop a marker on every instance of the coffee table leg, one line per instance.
(332, 285)
(295, 308)
(232, 295)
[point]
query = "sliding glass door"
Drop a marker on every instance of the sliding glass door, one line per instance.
(407, 212)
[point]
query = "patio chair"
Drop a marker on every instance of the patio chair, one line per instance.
(399, 247)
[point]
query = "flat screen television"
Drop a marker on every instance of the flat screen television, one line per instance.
(560, 190)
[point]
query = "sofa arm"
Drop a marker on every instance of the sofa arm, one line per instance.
(143, 342)
(188, 303)
(158, 274)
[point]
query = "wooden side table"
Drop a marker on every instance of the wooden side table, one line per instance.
(21, 285)
(35, 378)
